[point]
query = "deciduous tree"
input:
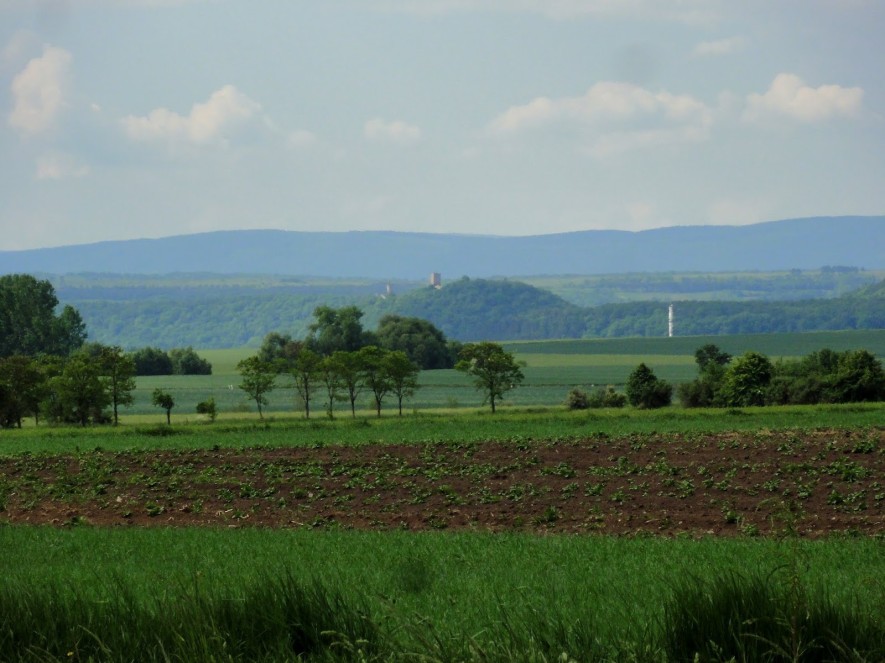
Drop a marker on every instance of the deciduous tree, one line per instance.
(152, 361)
(858, 378)
(337, 329)
(186, 361)
(645, 390)
(306, 374)
(258, 380)
(80, 394)
(373, 373)
(348, 366)
(746, 380)
(165, 400)
(422, 342)
(402, 374)
(21, 388)
(118, 371)
(332, 378)
(28, 322)
(279, 349)
(494, 370)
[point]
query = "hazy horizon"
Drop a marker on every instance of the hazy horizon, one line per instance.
(144, 119)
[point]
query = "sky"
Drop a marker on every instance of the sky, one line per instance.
(126, 119)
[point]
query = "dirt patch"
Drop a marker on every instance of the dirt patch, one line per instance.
(811, 482)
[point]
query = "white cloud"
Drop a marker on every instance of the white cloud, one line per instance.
(395, 131)
(38, 91)
(605, 102)
(59, 166)
(719, 47)
(789, 96)
(206, 123)
(617, 116)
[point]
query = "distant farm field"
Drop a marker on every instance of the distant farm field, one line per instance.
(773, 345)
(552, 368)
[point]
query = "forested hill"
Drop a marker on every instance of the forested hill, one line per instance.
(874, 291)
(466, 309)
(478, 309)
(790, 244)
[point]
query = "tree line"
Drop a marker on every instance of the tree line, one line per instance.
(75, 389)
(341, 329)
(824, 376)
(340, 360)
(47, 369)
(469, 310)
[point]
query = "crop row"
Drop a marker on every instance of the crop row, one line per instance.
(813, 482)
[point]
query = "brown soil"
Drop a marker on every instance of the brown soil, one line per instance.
(813, 483)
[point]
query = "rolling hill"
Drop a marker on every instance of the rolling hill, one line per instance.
(465, 309)
(798, 243)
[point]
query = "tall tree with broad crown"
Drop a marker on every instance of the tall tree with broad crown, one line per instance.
(28, 322)
(494, 370)
(21, 388)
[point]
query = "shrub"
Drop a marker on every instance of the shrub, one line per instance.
(152, 361)
(185, 361)
(646, 390)
(607, 397)
(577, 399)
(208, 408)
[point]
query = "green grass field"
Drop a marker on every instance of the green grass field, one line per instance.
(85, 593)
(144, 432)
(443, 596)
(552, 368)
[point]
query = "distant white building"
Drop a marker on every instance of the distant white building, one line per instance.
(436, 280)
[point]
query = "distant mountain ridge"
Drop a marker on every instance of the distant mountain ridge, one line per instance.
(854, 241)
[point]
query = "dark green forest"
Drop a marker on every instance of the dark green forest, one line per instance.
(206, 311)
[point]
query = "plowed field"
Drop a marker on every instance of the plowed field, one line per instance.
(811, 482)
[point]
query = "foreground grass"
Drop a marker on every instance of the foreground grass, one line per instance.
(238, 431)
(274, 595)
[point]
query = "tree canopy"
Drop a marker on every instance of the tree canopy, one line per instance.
(494, 370)
(29, 324)
(647, 390)
(337, 329)
(419, 339)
